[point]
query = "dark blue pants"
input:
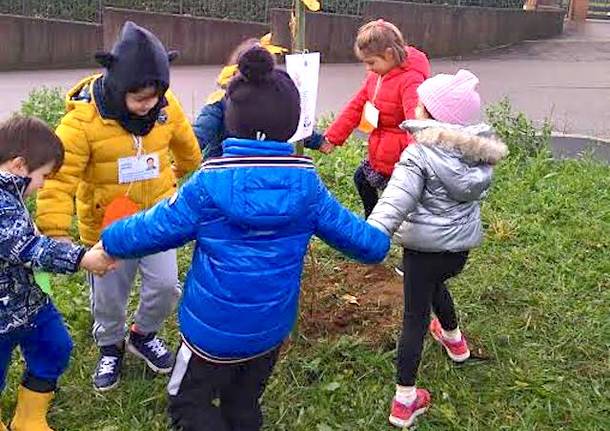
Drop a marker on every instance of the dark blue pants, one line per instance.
(46, 346)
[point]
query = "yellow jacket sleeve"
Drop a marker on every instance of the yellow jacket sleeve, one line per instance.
(55, 201)
(183, 144)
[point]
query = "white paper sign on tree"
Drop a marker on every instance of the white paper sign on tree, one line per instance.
(304, 69)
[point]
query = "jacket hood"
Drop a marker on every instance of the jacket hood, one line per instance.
(417, 60)
(261, 196)
(80, 93)
(13, 184)
(477, 144)
(462, 157)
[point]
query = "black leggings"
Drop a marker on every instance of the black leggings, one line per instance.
(424, 286)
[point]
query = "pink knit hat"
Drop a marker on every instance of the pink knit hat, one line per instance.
(452, 98)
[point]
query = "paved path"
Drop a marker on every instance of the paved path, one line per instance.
(567, 79)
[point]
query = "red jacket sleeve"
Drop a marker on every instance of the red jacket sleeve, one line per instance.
(410, 99)
(349, 119)
(409, 96)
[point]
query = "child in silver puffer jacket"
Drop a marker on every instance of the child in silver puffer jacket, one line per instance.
(432, 203)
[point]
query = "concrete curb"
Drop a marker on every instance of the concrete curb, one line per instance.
(573, 146)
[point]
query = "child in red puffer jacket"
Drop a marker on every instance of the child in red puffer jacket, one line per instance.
(387, 98)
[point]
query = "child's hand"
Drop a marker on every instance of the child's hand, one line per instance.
(326, 147)
(97, 262)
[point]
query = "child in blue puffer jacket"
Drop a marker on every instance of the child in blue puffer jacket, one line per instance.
(209, 125)
(252, 214)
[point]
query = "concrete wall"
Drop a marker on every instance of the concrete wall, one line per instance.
(332, 35)
(439, 30)
(32, 43)
(451, 30)
(199, 40)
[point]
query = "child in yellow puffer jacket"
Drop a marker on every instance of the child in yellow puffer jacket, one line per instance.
(116, 123)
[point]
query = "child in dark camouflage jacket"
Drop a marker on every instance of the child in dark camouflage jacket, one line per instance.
(29, 152)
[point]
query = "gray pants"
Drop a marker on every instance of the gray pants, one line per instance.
(158, 296)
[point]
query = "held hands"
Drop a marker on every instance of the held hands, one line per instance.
(97, 261)
(326, 147)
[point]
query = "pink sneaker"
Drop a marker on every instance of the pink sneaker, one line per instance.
(403, 416)
(458, 351)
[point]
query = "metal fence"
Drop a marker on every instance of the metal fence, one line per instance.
(246, 10)
(78, 10)
(599, 9)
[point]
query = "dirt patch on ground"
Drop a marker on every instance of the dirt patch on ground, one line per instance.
(351, 299)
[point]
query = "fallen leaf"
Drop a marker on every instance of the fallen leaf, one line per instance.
(350, 299)
(332, 387)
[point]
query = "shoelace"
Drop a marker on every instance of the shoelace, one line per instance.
(157, 346)
(107, 364)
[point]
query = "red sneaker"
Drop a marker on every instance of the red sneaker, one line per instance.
(403, 416)
(458, 351)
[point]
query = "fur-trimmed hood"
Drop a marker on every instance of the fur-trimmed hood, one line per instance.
(477, 144)
(436, 188)
(461, 157)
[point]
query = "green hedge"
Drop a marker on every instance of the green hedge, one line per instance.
(248, 10)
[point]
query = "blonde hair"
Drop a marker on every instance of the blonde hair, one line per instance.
(376, 37)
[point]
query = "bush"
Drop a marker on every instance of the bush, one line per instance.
(45, 103)
(524, 140)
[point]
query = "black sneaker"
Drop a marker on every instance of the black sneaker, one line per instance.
(152, 350)
(108, 369)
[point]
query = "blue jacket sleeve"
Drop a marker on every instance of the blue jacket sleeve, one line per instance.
(21, 245)
(170, 224)
(209, 129)
(348, 233)
(314, 142)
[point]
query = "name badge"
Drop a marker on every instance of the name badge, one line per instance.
(139, 168)
(371, 114)
(370, 118)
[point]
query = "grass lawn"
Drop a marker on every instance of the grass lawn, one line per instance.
(534, 301)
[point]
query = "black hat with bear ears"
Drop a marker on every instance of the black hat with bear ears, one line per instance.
(137, 60)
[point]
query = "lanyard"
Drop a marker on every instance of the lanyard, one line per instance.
(138, 148)
(137, 145)
(377, 87)
(25, 207)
